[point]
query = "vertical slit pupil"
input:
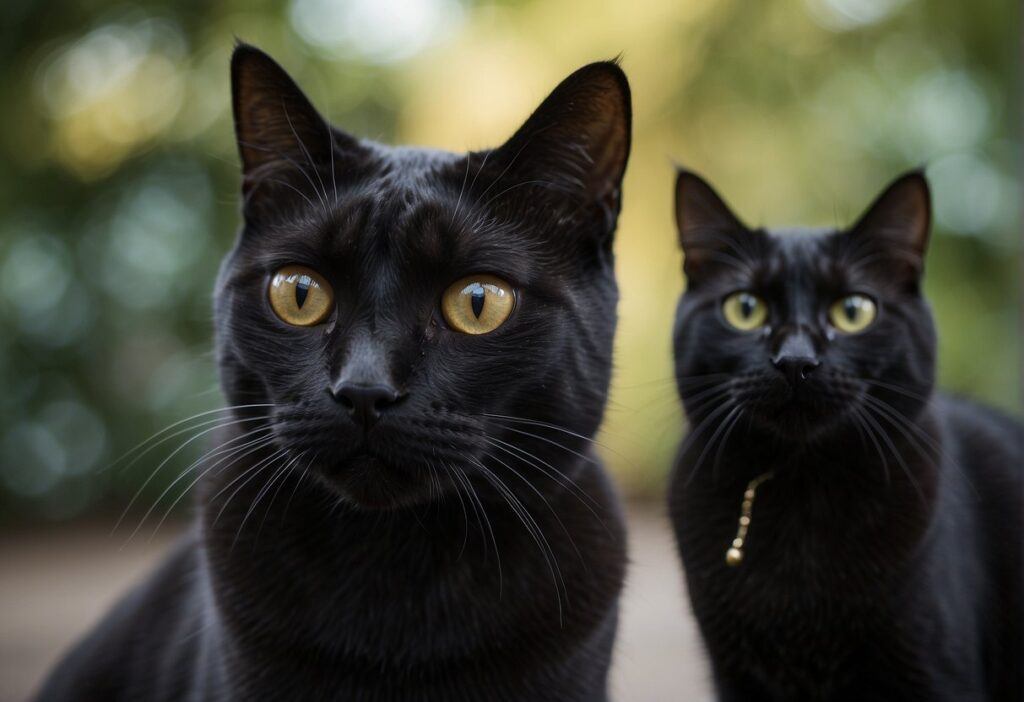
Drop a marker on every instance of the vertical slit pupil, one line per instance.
(302, 290)
(476, 300)
(851, 310)
(747, 306)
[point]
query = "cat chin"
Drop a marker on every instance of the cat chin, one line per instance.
(801, 424)
(369, 483)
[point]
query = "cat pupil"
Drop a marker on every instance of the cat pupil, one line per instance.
(302, 290)
(477, 301)
(851, 310)
(747, 305)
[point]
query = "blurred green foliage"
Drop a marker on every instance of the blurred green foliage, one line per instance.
(118, 178)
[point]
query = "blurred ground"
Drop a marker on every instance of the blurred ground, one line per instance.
(55, 584)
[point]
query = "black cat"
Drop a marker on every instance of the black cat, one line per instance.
(847, 533)
(417, 348)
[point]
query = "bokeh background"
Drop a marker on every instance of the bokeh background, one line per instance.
(118, 176)
(118, 181)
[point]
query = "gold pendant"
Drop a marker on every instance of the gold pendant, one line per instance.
(734, 556)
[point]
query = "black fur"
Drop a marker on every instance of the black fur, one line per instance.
(333, 563)
(883, 560)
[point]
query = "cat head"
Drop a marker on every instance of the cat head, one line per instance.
(804, 333)
(409, 312)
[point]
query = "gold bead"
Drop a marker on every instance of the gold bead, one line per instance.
(733, 557)
(749, 494)
(737, 543)
(745, 521)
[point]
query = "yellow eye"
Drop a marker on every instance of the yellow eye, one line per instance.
(745, 311)
(852, 314)
(300, 296)
(477, 304)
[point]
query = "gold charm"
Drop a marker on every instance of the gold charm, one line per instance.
(734, 556)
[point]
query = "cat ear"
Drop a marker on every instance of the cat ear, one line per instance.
(577, 142)
(707, 227)
(276, 126)
(899, 220)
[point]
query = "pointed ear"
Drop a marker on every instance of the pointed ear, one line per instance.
(899, 221)
(577, 142)
(276, 125)
(707, 227)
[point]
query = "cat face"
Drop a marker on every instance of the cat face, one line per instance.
(403, 310)
(804, 333)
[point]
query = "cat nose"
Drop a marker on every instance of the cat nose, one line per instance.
(796, 368)
(796, 357)
(365, 403)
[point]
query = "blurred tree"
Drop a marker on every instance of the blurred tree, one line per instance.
(118, 182)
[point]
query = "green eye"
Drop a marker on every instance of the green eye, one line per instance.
(852, 314)
(745, 311)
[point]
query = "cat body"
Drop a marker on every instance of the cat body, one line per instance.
(416, 346)
(883, 557)
(316, 610)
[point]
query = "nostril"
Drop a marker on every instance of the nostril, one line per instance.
(365, 403)
(342, 400)
(807, 368)
(796, 369)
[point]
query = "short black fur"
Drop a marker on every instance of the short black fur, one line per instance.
(883, 560)
(466, 545)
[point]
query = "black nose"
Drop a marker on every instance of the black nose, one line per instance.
(796, 368)
(365, 402)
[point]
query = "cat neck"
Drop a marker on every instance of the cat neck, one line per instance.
(881, 459)
(297, 565)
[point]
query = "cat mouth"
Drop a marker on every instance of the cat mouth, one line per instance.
(365, 479)
(362, 457)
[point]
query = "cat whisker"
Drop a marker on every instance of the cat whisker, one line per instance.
(508, 166)
(552, 442)
(531, 527)
(232, 458)
(725, 440)
(284, 473)
(859, 415)
(884, 435)
(457, 488)
(905, 424)
(278, 181)
(659, 383)
(458, 479)
(483, 163)
(280, 470)
(221, 449)
(731, 410)
(530, 458)
(309, 159)
(695, 406)
(482, 517)
(556, 475)
(302, 477)
(288, 159)
(334, 176)
(722, 428)
(176, 451)
(252, 471)
(705, 422)
(895, 388)
(462, 191)
(178, 423)
(517, 185)
(538, 493)
(553, 427)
